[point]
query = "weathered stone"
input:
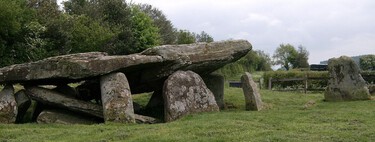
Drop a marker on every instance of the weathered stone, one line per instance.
(116, 98)
(144, 70)
(53, 98)
(23, 103)
(73, 67)
(253, 100)
(345, 83)
(140, 119)
(215, 83)
(8, 105)
(64, 117)
(185, 93)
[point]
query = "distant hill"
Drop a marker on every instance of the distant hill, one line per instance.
(355, 58)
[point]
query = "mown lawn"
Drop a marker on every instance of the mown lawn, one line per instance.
(289, 116)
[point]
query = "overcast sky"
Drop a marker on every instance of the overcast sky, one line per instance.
(326, 28)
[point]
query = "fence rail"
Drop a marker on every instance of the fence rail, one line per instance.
(304, 79)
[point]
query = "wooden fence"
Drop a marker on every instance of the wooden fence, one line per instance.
(304, 79)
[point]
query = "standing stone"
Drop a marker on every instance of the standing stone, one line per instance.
(23, 103)
(8, 105)
(252, 96)
(215, 83)
(345, 83)
(185, 93)
(116, 98)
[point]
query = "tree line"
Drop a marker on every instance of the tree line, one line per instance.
(35, 29)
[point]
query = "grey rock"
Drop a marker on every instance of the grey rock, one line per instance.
(53, 98)
(145, 71)
(8, 105)
(23, 103)
(253, 100)
(185, 93)
(215, 83)
(116, 98)
(345, 83)
(141, 119)
(63, 117)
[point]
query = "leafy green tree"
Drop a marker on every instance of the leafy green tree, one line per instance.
(367, 62)
(185, 37)
(204, 37)
(166, 30)
(301, 59)
(285, 55)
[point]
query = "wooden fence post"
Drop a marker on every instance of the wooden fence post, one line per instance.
(270, 83)
(305, 80)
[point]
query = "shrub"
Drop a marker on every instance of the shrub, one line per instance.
(312, 83)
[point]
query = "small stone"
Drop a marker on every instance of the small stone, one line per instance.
(215, 83)
(345, 83)
(252, 96)
(185, 93)
(8, 105)
(116, 98)
(23, 103)
(64, 117)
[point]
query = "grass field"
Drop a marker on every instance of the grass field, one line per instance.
(288, 116)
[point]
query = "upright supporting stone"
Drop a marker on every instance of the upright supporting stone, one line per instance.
(252, 97)
(215, 83)
(185, 93)
(8, 105)
(23, 103)
(116, 98)
(345, 83)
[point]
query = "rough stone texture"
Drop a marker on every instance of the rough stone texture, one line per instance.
(345, 83)
(23, 103)
(53, 98)
(63, 117)
(116, 98)
(8, 105)
(140, 119)
(215, 83)
(253, 100)
(185, 93)
(144, 70)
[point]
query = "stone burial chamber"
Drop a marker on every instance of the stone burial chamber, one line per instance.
(103, 85)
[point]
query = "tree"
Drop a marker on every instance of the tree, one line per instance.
(367, 62)
(185, 37)
(166, 30)
(285, 55)
(302, 57)
(204, 37)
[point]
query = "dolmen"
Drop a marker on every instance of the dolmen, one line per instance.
(178, 75)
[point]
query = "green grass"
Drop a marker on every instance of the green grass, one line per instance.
(288, 116)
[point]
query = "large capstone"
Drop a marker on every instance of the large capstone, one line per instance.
(116, 98)
(145, 70)
(185, 93)
(8, 105)
(345, 83)
(253, 100)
